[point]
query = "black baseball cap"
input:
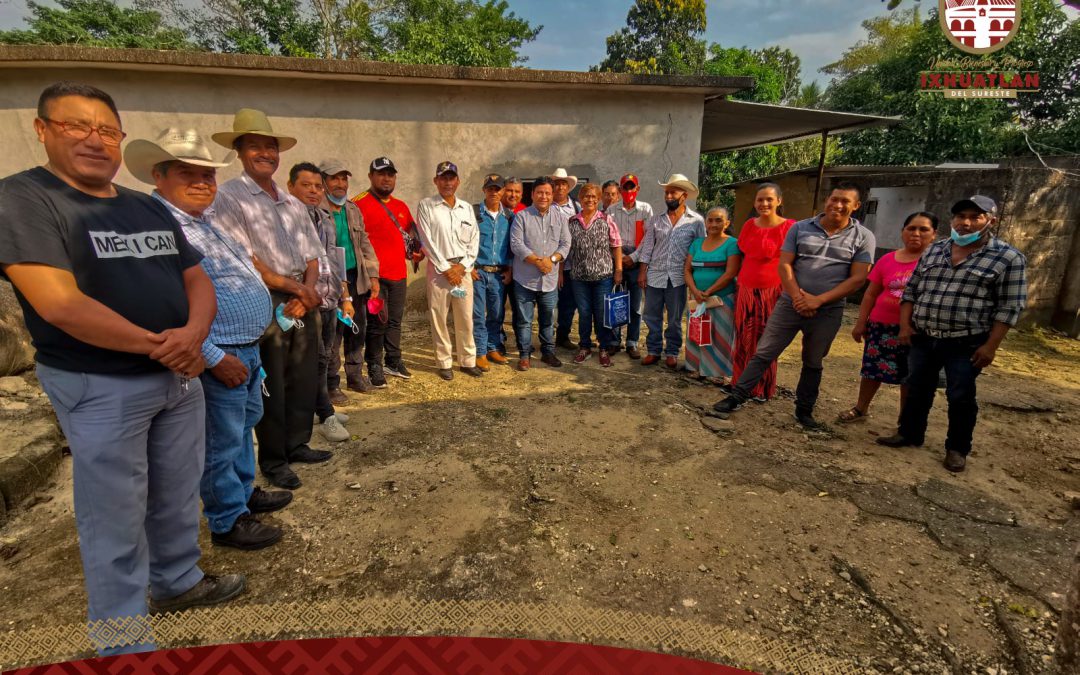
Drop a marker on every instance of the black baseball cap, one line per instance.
(978, 202)
(382, 164)
(446, 167)
(493, 180)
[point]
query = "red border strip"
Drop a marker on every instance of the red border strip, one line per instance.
(397, 655)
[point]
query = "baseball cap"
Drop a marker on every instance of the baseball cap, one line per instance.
(978, 202)
(629, 178)
(493, 180)
(382, 164)
(332, 167)
(446, 167)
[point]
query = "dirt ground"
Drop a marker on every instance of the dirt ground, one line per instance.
(609, 488)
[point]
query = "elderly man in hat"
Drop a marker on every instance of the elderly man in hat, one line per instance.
(662, 257)
(631, 215)
(118, 307)
(447, 227)
(184, 174)
(963, 297)
(823, 260)
(362, 277)
(492, 274)
(561, 185)
(274, 227)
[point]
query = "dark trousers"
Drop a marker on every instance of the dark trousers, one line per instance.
(354, 342)
(328, 322)
(567, 305)
(784, 324)
(291, 362)
(514, 313)
(925, 360)
(384, 337)
(657, 300)
(544, 303)
(633, 329)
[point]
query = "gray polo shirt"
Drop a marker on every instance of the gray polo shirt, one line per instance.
(822, 262)
(541, 235)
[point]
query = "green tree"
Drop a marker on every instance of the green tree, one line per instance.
(936, 129)
(884, 35)
(96, 23)
(461, 32)
(660, 36)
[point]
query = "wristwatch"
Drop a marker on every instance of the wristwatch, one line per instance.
(554, 258)
(347, 298)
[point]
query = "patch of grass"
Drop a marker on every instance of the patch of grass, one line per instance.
(500, 413)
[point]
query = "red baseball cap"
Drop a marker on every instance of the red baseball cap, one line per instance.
(629, 178)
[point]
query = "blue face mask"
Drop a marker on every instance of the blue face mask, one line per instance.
(347, 320)
(286, 323)
(965, 239)
(459, 292)
(337, 201)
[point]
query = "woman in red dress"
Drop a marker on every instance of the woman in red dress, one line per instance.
(759, 283)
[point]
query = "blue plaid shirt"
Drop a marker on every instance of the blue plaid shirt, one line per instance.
(987, 286)
(665, 247)
(243, 302)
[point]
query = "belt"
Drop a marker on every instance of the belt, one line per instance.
(491, 268)
(946, 334)
(243, 346)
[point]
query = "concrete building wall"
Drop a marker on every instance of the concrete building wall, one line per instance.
(520, 131)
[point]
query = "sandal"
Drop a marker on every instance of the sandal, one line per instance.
(851, 415)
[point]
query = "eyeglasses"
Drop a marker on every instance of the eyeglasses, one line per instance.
(82, 131)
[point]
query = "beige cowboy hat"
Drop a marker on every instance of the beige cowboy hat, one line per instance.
(250, 121)
(560, 174)
(179, 145)
(677, 180)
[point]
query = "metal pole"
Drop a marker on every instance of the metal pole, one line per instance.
(820, 170)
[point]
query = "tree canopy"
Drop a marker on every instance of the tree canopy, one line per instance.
(660, 36)
(455, 32)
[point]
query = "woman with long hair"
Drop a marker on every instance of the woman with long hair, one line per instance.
(711, 267)
(759, 282)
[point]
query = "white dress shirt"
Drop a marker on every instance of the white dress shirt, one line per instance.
(448, 232)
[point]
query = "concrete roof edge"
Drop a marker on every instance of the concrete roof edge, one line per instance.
(149, 59)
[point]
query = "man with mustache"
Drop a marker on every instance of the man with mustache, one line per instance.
(274, 227)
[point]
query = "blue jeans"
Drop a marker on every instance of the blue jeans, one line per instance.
(137, 454)
(526, 299)
(229, 476)
(489, 300)
(633, 329)
(590, 304)
(925, 360)
(567, 305)
(673, 299)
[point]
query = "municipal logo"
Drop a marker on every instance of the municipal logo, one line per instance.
(979, 26)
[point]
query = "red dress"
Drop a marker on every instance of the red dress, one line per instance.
(758, 290)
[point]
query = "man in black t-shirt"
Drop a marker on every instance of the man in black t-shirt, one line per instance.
(118, 308)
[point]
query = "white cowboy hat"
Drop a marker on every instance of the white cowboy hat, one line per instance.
(560, 174)
(677, 180)
(250, 121)
(180, 145)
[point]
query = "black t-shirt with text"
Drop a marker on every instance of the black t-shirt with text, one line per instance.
(127, 252)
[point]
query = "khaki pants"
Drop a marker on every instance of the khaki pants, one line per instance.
(440, 302)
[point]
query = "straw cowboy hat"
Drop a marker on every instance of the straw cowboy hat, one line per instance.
(250, 121)
(677, 180)
(181, 145)
(560, 174)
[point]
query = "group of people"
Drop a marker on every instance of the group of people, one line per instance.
(174, 330)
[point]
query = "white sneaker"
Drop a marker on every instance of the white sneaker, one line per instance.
(333, 431)
(342, 418)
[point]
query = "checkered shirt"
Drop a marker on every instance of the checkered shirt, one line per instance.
(989, 285)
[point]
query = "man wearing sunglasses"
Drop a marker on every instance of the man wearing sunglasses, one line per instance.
(118, 307)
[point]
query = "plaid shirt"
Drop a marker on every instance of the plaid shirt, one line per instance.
(243, 303)
(989, 285)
